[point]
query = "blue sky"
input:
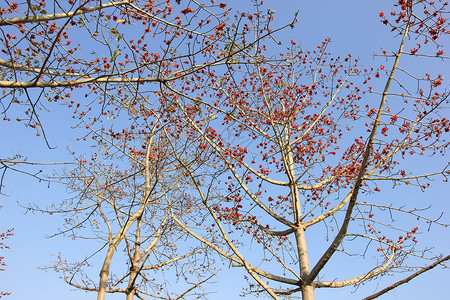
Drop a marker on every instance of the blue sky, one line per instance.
(353, 26)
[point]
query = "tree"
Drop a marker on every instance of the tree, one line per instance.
(121, 196)
(204, 141)
(306, 146)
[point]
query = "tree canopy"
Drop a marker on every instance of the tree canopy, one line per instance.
(203, 138)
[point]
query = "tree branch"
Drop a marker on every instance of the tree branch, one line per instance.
(407, 279)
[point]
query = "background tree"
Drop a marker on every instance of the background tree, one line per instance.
(121, 199)
(310, 147)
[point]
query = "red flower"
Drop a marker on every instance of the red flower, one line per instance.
(187, 10)
(220, 27)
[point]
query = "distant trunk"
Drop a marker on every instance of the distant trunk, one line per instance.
(131, 290)
(134, 271)
(105, 272)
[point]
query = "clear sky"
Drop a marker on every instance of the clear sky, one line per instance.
(353, 26)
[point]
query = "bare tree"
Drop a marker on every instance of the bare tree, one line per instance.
(122, 194)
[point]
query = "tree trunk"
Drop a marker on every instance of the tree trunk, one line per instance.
(134, 271)
(104, 273)
(308, 292)
(302, 250)
(131, 290)
(303, 259)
